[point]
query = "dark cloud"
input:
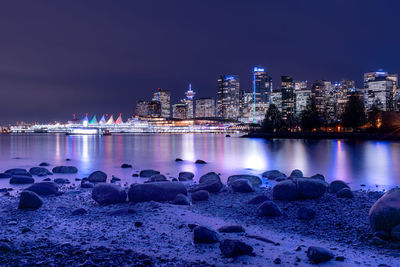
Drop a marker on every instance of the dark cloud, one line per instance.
(64, 57)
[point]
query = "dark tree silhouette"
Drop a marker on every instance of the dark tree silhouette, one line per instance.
(373, 116)
(354, 113)
(309, 118)
(273, 119)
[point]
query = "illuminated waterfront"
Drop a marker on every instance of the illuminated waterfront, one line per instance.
(358, 163)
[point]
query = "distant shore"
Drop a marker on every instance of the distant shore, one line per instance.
(325, 135)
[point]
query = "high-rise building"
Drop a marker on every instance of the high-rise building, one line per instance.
(164, 97)
(341, 91)
(380, 90)
(288, 97)
(300, 85)
(179, 111)
(189, 101)
(205, 108)
(228, 100)
(276, 99)
(148, 108)
(262, 86)
(303, 98)
(320, 90)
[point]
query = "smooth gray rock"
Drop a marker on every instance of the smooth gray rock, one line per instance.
(345, 193)
(104, 194)
(182, 199)
(39, 171)
(157, 178)
(61, 181)
(211, 176)
(18, 172)
(16, 179)
(241, 186)
(269, 209)
(232, 248)
(310, 188)
(296, 173)
(384, 215)
(29, 200)
(5, 175)
(185, 176)
(318, 176)
(318, 254)
(97, 177)
(201, 195)
(44, 188)
(337, 185)
(158, 191)
(210, 182)
(254, 180)
(44, 164)
(125, 166)
(273, 175)
(200, 161)
(203, 234)
(65, 169)
(285, 190)
(148, 173)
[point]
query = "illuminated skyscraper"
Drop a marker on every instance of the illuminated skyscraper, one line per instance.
(320, 90)
(179, 111)
(380, 90)
(228, 100)
(189, 101)
(288, 97)
(147, 109)
(205, 108)
(164, 97)
(262, 87)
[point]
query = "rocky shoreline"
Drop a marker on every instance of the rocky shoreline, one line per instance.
(195, 221)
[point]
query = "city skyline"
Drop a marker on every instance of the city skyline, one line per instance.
(98, 56)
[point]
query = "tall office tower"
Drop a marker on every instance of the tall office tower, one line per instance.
(228, 100)
(148, 108)
(303, 98)
(381, 90)
(300, 85)
(164, 97)
(330, 109)
(179, 111)
(320, 90)
(205, 108)
(276, 99)
(262, 86)
(288, 97)
(189, 101)
(341, 91)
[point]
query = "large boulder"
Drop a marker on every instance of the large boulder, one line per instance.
(157, 178)
(182, 199)
(158, 191)
(318, 254)
(65, 169)
(5, 175)
(29, 200)
(185, 176)
(18, 171)
(104, 193)
(201, 195)
(296, 173)
(337, 185)
(384, 215)
(210, 182)
(17, 179)
(203, 234)
(39, 171)
(254, 180)
(345, 193)
(242, 186)
(232, 247)
(285, 190)
(44, 188)
(97, 177)
(273, 175)
(269, 209)
(148, 173)
(310, 188)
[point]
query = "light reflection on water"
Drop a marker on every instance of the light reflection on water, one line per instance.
(357, 162)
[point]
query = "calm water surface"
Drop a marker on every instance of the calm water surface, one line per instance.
(358, 162)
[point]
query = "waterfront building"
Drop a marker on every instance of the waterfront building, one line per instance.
(205, 108)
(320, 89)
(262, 87)
(276, 99)
(179, 111)
(228, 99)
(189, 102)
(164, 97)
(288, 97)
(380, 90)
(341, 92)
(330, 109)
(300, 85)
(146, 109)
(303, 97)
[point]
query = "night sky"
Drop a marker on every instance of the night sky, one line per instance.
(63, 57)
